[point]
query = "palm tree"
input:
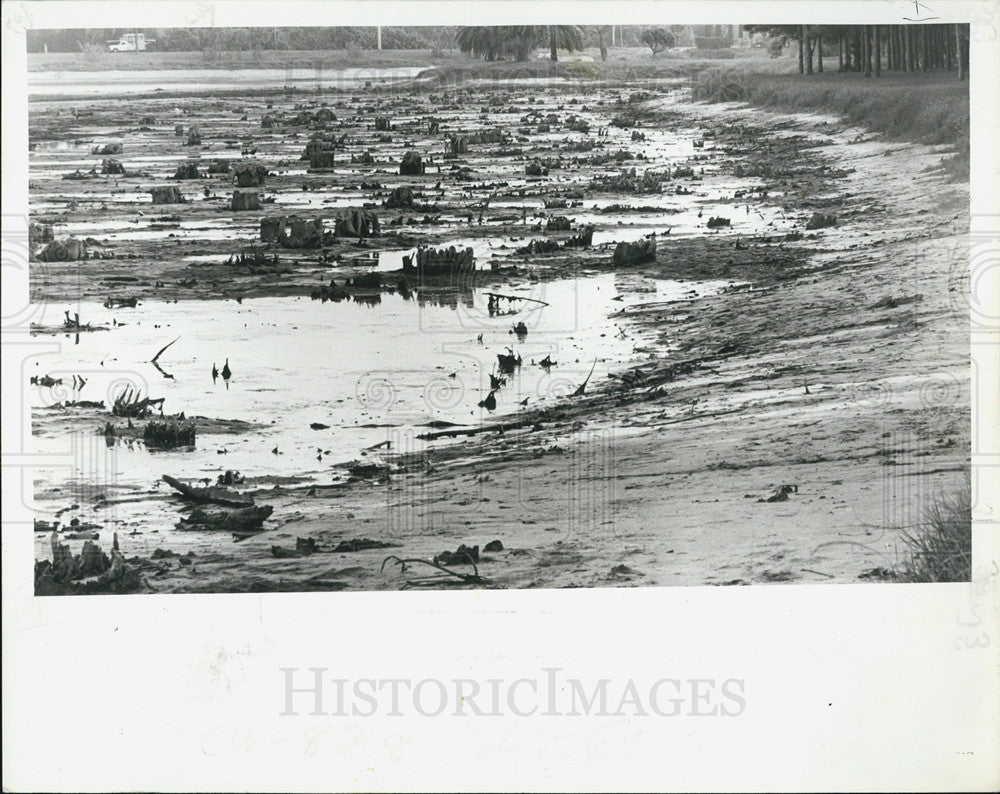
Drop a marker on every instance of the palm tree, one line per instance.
(565, 37)
(496, 42)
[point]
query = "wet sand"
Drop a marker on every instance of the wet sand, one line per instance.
(799, 373)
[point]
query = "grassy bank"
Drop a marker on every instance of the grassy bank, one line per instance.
(926, 108)
(940, 549)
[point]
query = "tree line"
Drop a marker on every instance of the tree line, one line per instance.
(522, 40)
(871, 49)
(248, 39)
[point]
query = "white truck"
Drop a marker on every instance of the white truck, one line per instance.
(130, 42)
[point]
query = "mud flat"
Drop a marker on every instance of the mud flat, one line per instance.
(772, 392)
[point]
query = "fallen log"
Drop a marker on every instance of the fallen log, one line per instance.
(211, 495)
(239, 519)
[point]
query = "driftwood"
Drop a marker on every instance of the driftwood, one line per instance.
(473, 578)
(132, 405)
(515, 298)
(211, 495)
(240, 519)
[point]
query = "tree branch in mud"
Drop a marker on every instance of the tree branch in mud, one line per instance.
(583, 386)
(473, 578)
(153, 361)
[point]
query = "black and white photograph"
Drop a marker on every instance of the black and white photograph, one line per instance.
(403, 303)
(499, 306)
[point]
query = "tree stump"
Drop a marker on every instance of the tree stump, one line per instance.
(66, 250)
(411, 165)
(166, 195)
(401, 198)
(187, 171)
(109, 148)
(250, 174)
(245, 201)
(112, 166)
(323, 159)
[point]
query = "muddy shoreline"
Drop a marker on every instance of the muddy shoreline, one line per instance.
(854, 393)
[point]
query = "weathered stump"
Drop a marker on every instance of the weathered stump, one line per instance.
(187, 171)
(169, 194)
(112, 166)
(109, 148)
(358, 223)
(401, 198)
(322, 159)
(249, 174)
(411, 164)
(65, 250)
(39, 233)
(820, 220)
(294, 232)
(635, 253)
(245, 201)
